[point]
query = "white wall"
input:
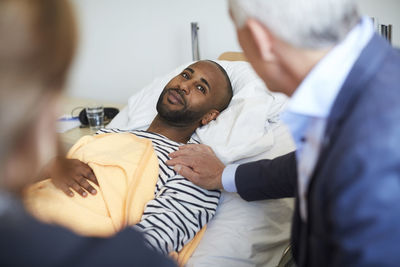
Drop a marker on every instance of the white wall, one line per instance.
(387, 12)
(125, 44)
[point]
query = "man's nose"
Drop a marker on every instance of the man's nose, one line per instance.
(185, 87)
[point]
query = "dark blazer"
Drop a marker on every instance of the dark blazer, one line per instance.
(27, 242)
(353, 198)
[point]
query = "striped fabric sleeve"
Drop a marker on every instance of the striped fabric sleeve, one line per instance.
(110, 130)
(179, 210)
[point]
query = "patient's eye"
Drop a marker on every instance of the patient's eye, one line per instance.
(185, 75)
(201, 88)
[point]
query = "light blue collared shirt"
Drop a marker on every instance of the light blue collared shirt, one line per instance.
(309, 107)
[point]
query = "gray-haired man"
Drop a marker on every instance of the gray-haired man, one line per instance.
(343, 81)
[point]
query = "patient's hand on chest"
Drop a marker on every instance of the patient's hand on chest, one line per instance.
(71, 175)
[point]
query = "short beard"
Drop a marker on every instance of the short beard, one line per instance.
(177, 117)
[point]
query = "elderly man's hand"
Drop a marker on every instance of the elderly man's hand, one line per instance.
(199, 164)
(68, 174)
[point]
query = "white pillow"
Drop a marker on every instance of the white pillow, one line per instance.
(252, 109)
(242, 233)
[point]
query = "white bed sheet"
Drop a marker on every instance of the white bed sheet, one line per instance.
(244, 234)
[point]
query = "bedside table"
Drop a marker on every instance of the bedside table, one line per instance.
(69, 138)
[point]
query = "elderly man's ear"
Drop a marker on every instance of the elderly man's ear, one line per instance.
(262, 38)
(211, 115)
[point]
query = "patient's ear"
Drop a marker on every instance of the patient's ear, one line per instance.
(211, 115)
(262, 39)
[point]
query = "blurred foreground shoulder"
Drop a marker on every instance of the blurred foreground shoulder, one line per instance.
(27, 242)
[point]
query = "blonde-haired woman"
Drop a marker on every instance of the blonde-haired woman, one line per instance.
(37, 43)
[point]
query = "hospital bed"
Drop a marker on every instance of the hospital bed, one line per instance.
(242, 233)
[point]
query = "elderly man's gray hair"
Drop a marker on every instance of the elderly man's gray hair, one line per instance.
(308, 24)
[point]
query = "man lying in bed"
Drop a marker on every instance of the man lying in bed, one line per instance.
(191, 99)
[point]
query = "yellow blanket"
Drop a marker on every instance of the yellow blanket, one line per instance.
(126, 168)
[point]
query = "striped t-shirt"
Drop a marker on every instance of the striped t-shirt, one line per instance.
(179, 209)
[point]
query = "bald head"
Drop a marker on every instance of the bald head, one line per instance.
(227, 97)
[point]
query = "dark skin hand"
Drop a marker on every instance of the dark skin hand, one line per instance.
(71, 174)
